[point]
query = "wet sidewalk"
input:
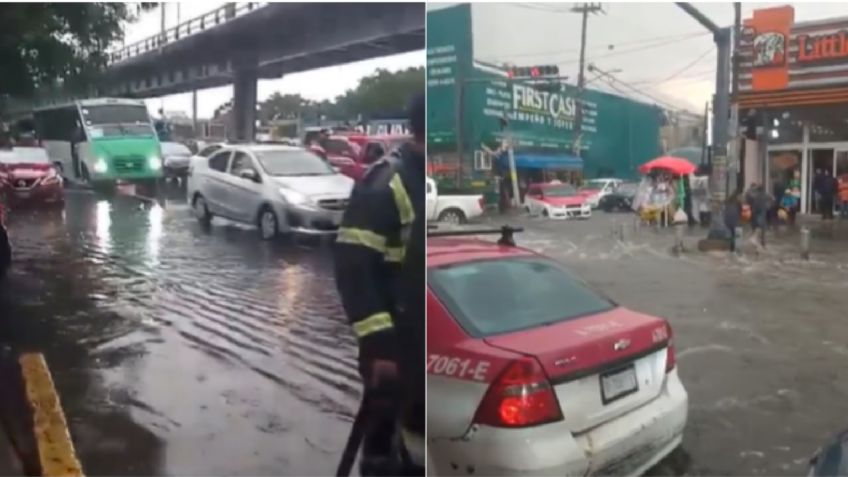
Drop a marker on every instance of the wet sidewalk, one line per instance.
(8, 465)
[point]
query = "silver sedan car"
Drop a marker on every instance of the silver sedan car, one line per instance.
(280, 189)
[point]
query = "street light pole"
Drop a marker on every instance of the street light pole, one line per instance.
(721, 111)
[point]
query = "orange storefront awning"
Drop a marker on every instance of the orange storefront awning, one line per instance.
(807, 97)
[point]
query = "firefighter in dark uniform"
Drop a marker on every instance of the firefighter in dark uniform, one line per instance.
(380, 277)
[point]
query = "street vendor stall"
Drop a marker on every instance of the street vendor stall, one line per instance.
(661, 192)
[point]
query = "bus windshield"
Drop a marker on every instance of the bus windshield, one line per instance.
(116, 120)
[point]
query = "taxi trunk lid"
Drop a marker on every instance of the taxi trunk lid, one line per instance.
(601, 366)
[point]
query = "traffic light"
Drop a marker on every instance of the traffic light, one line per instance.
(533, 71)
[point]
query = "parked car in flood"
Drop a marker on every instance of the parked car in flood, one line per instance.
(451, 208)
(596, 189)
(556, 201)
(280, 189)
(27, 177)
(176, 158)
(620, 199)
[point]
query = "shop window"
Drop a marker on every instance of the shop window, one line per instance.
(835, 131)
(783, 168)
(482, 161)
(785, 131)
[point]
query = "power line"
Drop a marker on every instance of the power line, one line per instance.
(689, 65)
(637, 90)
(538, 8)
(654, 41)
(655, 80)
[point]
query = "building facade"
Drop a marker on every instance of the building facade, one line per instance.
(474, 110)
(793, 99)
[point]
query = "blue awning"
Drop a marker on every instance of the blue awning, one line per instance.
(544, 161)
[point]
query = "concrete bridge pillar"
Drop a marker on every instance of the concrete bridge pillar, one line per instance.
(244, 101)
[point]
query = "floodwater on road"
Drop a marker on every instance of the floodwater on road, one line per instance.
(179, 350)
(762, 342)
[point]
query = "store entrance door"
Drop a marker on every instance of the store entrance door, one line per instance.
(820, 165)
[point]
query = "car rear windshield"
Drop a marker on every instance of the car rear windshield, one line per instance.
(501, 296)
(293, 163)
(339, 147)
(26, 155)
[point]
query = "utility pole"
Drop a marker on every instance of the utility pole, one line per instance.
(721, 110)
(161, 49)
(704, 156)
(584, 9)
(162, 19)
(513, 172)
(735, 168)
(459, 114)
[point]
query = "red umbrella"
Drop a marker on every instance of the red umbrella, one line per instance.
(675, 165)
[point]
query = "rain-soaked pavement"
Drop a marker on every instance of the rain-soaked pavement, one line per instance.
(762, 342)
(178, 350)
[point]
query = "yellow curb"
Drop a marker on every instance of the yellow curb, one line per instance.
(55, 449)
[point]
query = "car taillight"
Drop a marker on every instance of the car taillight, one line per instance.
(670, 358)
(522, 396)
(482, 202)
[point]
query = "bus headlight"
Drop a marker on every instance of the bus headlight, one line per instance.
(155, 163)
(100, 166)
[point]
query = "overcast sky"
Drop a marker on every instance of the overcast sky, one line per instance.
(326, 83)
(659, 49)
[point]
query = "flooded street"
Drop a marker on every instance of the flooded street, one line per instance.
(761, 342)
(178, 350)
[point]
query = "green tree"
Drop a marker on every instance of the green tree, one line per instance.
(45, 43)
(382, 92)
(282, 106)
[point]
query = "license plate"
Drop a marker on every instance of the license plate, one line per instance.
(23, 194)
(618, 383)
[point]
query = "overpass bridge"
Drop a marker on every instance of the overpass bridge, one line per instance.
(240, 43)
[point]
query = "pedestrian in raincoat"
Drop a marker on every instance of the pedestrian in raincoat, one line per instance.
(827, 190)
(843, 196)
(759, 201)
(733, 216)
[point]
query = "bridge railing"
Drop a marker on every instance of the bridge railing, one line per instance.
(198, 24)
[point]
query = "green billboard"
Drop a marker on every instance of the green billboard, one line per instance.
(619, 134)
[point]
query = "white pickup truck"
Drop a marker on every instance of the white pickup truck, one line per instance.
(455, 209)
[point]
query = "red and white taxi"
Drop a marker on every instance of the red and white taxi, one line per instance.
(556, 201)
(531, 372)
(28, 177)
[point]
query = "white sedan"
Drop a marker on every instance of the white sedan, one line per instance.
(280, 189)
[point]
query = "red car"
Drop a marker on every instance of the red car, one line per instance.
(531, 372)
(373, 149)
(338, 150)
(353, 154)
(28, 177)
(556, 201)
